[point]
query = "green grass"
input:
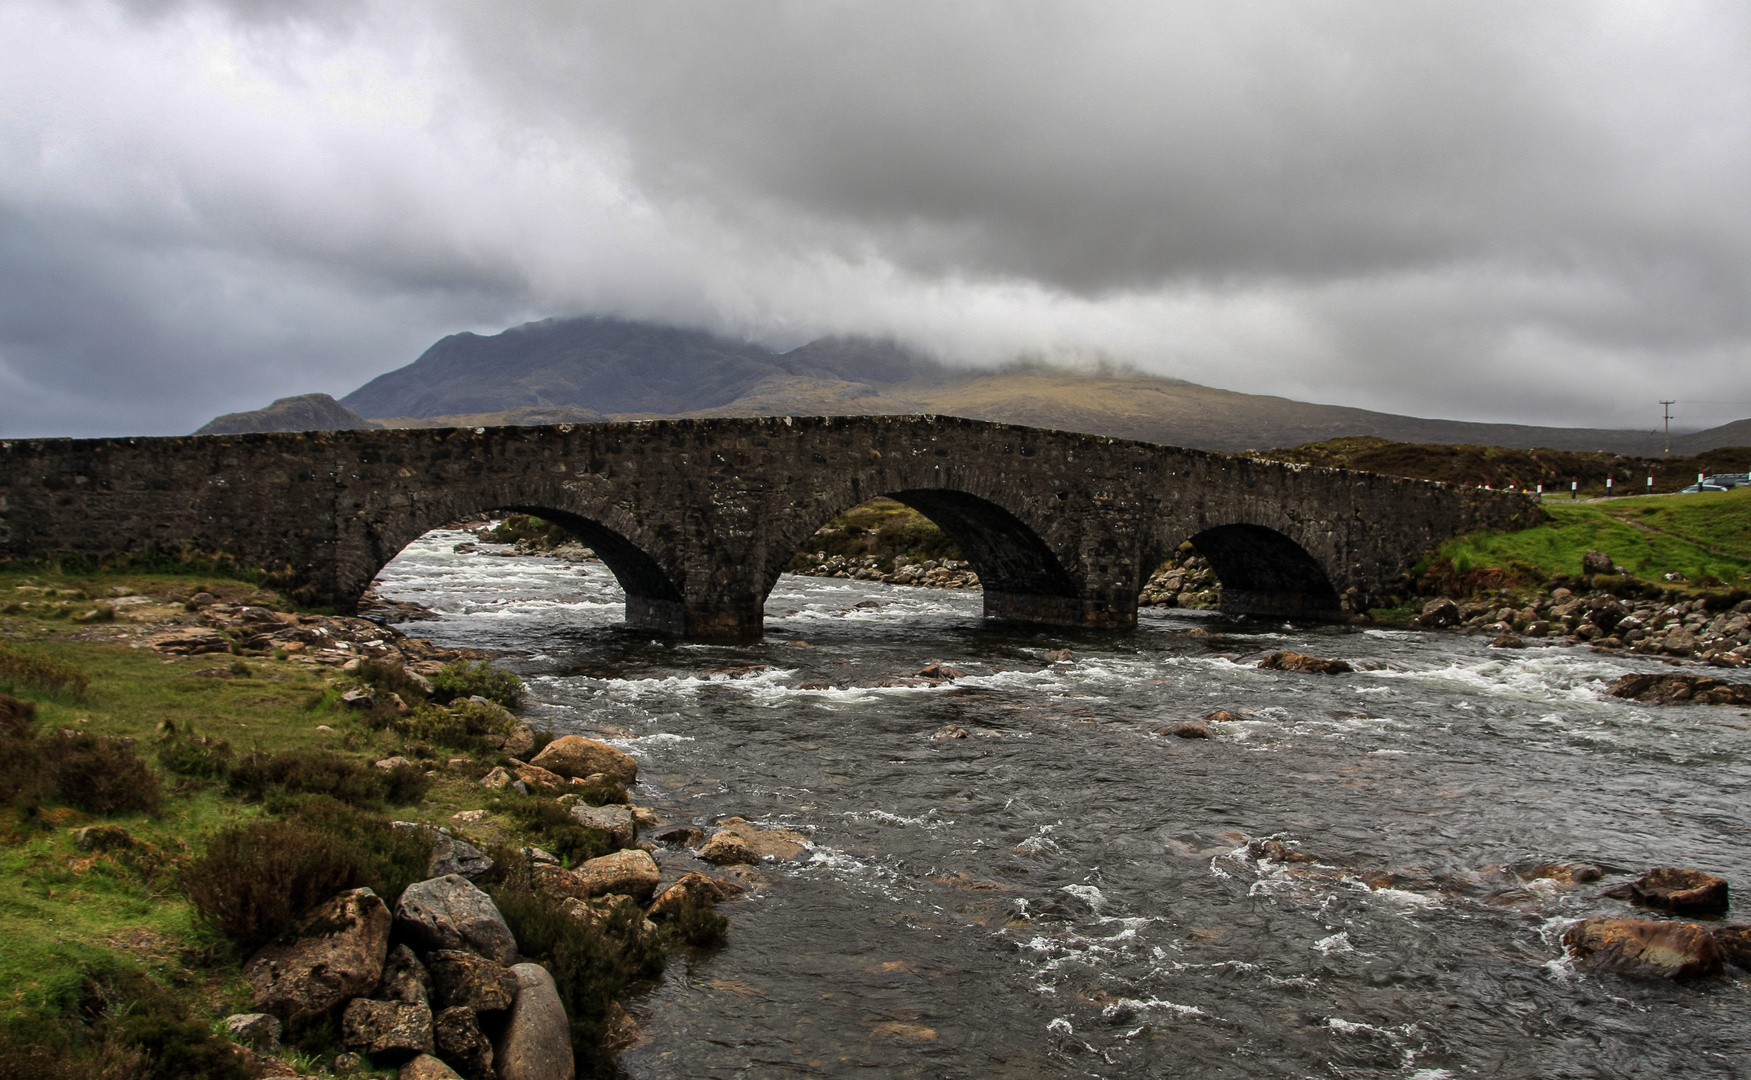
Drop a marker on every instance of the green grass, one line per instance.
(1555, 547)
(881, 527)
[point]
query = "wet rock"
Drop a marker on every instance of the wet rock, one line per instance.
(696, 886)
(1597, 562)
(1735, 945)
(390, 1028)
(574, 755)
(536, 1044)
(336, 952)
(1440, 612)
(736, 841)
(405, 979)
(1190, 729)
(617, 821)
(631, 872)
(1061, 656)
(1277, 851)
(450, 913)
(938, 671)
(950, 731)
(258, 1031)
(685, 835)
(463, 979)
(1660, 688)
(427, 1067)
(456, 1031)
(1507, 639)
(1221, 716)
(1683, 892)
(1562, 873)
(1301, 662)
(1645, 948)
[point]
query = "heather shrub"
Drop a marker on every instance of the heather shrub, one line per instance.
(554, 827)
(98, 774)
(462, 725)
(698, 924)
(390, 678)
(460, 679)
(22, 669)
(184, 753)
(256, 879)
(324, 772)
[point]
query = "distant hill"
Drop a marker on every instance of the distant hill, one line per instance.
(581, 369)
(306, 412)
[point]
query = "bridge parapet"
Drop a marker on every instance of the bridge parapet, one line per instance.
(697, 518)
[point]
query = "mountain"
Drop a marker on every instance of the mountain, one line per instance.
(306, 412)
(583, 369)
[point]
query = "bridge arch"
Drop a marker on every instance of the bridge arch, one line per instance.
(1264, 571)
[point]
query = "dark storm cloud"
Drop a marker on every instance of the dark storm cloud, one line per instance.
(1507, 211)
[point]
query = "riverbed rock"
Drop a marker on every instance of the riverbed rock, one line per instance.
(1645, 948)
(463, 979)
(696, 886)
(1190, 729)
(450, 913)
(630, 872)
(617, 821)
(335, 952)
(405, 979)
(427, 1067)
(574, 755)
(1307, 665)
(258, 1031)
(1561, 873)
(737, 841)
(390, 1028)
(1680, 891)
(1439, 612)
(456, 1031)
(1735, 945)
(1507, 639)
(536, 1043)
(1661, 688)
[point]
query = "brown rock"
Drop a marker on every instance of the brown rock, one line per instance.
(617, 821)
(1221, 716)
(1563, 873)
(464, 979)
(950, 731)
(535, 776)
(939, 671)
(460, 1040)
(1597, 562)
(736, 841)
(1191, 729)
(1683, 892)
(536, 1044)
(557, 881)
(727, 849)
(520, 742)
(1439, 612)
(1735, 945)
(1301, 662)
(1645, 948)
(574, 755)
(336, 952)
(1660, 688)
(695, 885)
(387, 1027)
(427, 1067)
(496, 779)
(685, 835)
(631, 872)
(405, 979)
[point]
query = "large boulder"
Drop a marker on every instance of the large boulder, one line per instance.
(695, 887)
(1597, 562)
(1305, 664)
(1439, 612)
(574, 755)
(631, 872)
(450, 913)
(427, 1067)
(737, 841)
(258, 1031)
(464, 979)
(1645, 948)
(1735, 945)
(335, 952)
(1670, 888)
(450, 855)
(536, 1042)
(617, 821)
(390, 1028)
(462, 1043)
(405, 979)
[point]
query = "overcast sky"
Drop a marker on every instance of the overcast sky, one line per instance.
(1491, 211)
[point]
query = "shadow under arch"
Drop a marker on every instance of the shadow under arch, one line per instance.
(653, 601)
(1264, 572)
(1020, 576)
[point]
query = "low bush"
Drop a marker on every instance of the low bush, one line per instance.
(698, 924)
(601, 790)
(256, 879)
(99, 775)
(21, 669)
(184, 753)
(554, 827)
(460, 679)
(592, 963)
(324, 772)
(390, 678)
(463, 725)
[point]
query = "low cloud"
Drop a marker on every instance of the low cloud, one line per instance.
(1493, 212)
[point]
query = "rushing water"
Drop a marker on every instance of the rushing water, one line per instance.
(1066, 892)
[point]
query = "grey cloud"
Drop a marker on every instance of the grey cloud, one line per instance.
(1485, 211)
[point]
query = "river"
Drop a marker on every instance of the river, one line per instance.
(1066, 892)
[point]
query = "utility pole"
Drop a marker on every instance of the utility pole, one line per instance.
(1668, 405)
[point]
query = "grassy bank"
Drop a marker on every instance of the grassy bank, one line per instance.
(125, 944)
(1704, 540)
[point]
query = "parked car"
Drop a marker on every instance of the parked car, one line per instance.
(1729, 479)
(1692, 489)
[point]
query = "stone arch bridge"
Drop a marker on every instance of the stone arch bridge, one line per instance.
(697, 518)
